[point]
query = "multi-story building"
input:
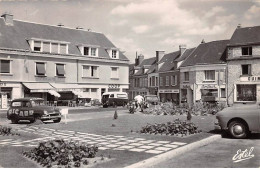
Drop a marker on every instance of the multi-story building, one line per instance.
(243, 65)
(139, 76)
(202, 74)
(169, 74)
(55, 62)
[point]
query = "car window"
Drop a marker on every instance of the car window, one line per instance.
(26, 104)
(17, 104)
(121, 96)
(37, 103)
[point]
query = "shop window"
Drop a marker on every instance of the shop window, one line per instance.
(246, 92)
(210, 75)
(5, 66)
(60, 69)
(114, 72)
(186, 76)
(247, 51)
(93, 90)
(40, 68)
(246, 69)
(223, 93)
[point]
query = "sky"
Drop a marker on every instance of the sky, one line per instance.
(143, 26)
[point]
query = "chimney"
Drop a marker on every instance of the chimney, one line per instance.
(238, 26)
(60, 25)
(140, 58)
(8, 18)
(182, 49)
(159, 55)
(203, 41)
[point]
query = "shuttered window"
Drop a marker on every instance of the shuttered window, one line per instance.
(46, 47)
(54, 48)
(86, 72)
(114, 72)
(40, 68)
(4, 66)
(37, 46)
(60, 69)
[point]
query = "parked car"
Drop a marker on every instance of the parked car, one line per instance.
(32, 109)
(239, 120)
(114, 99)
(151, 99)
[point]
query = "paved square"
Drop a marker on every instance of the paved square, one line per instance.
(154, 151)
(162, 148)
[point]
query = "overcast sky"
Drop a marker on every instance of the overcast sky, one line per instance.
(143, 25)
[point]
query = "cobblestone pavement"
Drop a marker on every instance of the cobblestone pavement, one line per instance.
(104, 142)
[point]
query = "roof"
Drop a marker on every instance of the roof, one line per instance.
(148, 61)
(16, 36)
(207, 53)
(245, 35)
(167, 62)
(186, 53)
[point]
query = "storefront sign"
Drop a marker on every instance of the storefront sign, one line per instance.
(251, 78)
(4, 101)
(113, 86)
(169, 91)
(2, 84)
(68, 89)
(209, 86)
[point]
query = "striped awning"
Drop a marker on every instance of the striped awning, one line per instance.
(38, 87)
(54, 93)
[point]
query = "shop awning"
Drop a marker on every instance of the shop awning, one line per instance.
(80, 94)
(38, 87)
(54, 93)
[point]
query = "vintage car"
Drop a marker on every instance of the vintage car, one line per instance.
(32, 109)
(114, 99)
(239, 120)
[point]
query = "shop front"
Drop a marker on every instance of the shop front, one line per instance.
(209, 93)
(8, 92)
(169, 95)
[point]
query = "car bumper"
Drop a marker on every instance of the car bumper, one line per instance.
(50, 117)
(217, 126)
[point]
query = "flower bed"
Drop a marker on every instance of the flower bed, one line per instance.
(58, 153)
(4, 130)
(177, 127)
(197, 109)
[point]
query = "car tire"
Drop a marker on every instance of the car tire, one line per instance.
(238, 129)
(57, 121)
(14, 120)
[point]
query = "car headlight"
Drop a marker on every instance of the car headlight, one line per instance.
(45, 112)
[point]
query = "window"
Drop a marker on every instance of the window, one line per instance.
(40, 68)
(54, 47)
(94, 90)
(173, 80)
(46, 47)
(161, 81)
(167, 81)
(210, 75)
(37, 46)
(63, 49)
(246, 51)
(246, 92)
(156, 81)
(114, 72)
(60, 69)
(223, 93)
(114, 54)
(186, 76)
(93, 51)
(5, 66)
(90, 71)
(150, 81)
(246, 69)
(86, 51)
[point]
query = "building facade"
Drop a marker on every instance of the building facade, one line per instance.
(202, 74)
(58, 63)
(243, 63)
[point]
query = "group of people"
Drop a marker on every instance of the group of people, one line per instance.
(138, 102)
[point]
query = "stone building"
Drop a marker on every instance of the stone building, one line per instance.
(243, 63)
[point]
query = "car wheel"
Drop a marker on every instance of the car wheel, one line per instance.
(14, 120)
(238, 129)
(57, 121)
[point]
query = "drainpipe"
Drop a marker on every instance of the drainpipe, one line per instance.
(77, 70)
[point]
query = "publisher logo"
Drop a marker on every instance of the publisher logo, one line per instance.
(243, 155)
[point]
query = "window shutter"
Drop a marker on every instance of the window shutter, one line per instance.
(5, 66)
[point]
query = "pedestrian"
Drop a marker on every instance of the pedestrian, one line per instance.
(139, 100)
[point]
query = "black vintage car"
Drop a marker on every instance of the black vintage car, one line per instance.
(32, 109)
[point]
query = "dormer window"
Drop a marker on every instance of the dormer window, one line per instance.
(88, 50)
(37, 46)
(247, 51)
(49, 46)
(114, 54)
(93, 51)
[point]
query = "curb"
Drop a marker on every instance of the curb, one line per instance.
(148, 163)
